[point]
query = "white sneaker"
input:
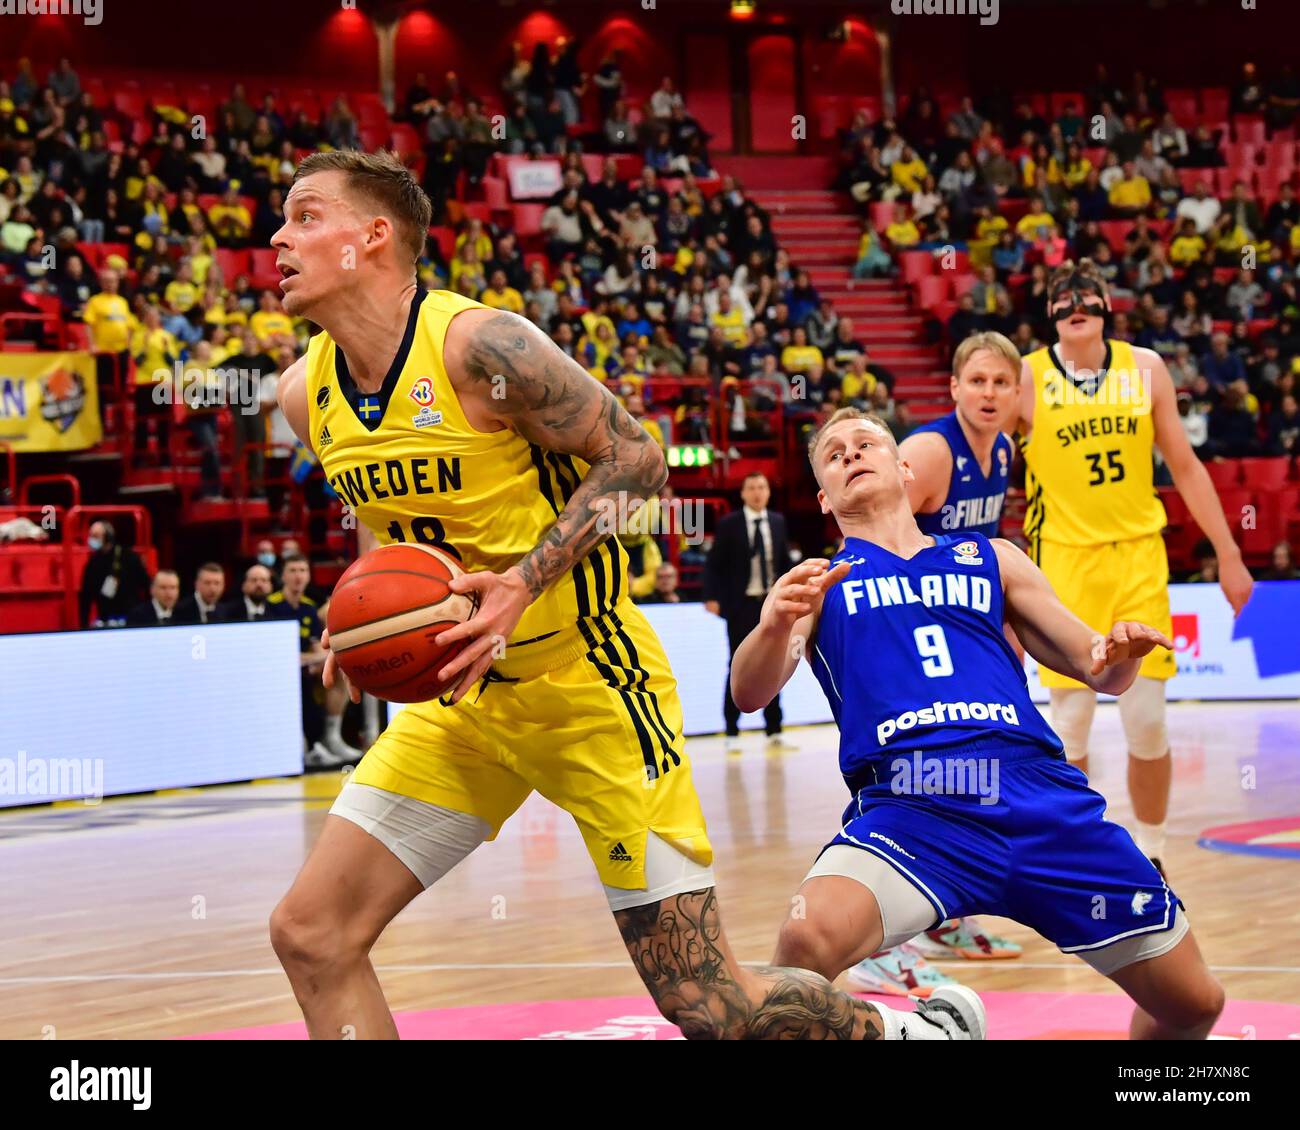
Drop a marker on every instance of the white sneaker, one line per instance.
(321, 757)
(339, 748)
(957, 1010)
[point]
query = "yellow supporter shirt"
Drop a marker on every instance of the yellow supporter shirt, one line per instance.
(1186, 250)
(109, 319)
(1032, 223)
(181, 296)
(509, 299)
(155, 352)
(908, 175)
(1135, 193)
(903, 235)
(732, 326)
(269, 325)
(800, 358)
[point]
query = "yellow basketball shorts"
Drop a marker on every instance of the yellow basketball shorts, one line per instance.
(598, 732)
(1122, 580)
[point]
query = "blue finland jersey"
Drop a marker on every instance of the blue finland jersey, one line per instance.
(912, 656)
(974, 503)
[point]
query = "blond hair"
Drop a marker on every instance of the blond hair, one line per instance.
(1085, 267)
(992, 341)
(386, 184)
(846, 414)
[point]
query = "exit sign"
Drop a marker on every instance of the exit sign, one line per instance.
(690, 455)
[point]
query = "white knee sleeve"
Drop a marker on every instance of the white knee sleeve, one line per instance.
(1072, 711)
(1142, 712)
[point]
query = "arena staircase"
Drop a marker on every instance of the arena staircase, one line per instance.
(821, 229)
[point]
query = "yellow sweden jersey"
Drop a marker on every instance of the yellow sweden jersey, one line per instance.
(1089, 455)
(409, 464)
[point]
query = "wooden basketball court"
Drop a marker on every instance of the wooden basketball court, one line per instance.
(147, 917)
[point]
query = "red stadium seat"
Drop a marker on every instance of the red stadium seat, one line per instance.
(1224, 179)
(963, 284)
(1249, 128)
(882, 215)
(915, 265)
(1115, 231)
(405, 140)
(528, 219)
(1225, 474)
(1265, 474)
(374, 137)
(1214, 105)
(495, 194)
(129, 103)
(263, 274)
(932, 290)
(1184, 106)
(445, 238)
(1189, 178)
(233, 264)
(1062, 98)
(537, 259)
(1239, 154)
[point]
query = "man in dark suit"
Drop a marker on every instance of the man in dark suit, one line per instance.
(250, 605)
(114, 581)
(156, 612)
(201, 606)
(750, 551)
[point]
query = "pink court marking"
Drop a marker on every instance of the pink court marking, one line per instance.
(1011, 1016)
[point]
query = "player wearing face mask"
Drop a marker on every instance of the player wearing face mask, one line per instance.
(1093, 410)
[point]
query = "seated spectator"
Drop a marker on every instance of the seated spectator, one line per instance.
(799, 356)
(987, 291)
(114, 580)
(1008, 257)
(902, 233)
(156, 612)
(908, 172)
(857, 382)
(1131, 193)
(665, 588)
(1283, 216)
(1034, 222)
(1160, 336)
(1221, 366)
(1201, 208)
(822, 324)
(1284, 428)
(1208, 573)
(1188, 246)
(1203, 150)
(964, 321)
(1244, 297)
(201, 606)
(732, 320)
(1051, 246)
(1169, 140)
(500, 296)
(562, 225)
(230, 220)
(1232, 427)
(1149, 164)
(1195, 421)
(873, 260)
(1283, 566)
(664, 353)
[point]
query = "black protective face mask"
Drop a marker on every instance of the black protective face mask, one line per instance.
(1084, 296)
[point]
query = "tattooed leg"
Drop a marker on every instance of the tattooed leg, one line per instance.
(678, 948)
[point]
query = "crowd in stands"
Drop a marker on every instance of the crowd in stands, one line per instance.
(672, 287)
(1206, 280)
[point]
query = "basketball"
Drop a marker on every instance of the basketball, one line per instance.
(384, 615)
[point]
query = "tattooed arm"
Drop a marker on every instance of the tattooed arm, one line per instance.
(509, 375)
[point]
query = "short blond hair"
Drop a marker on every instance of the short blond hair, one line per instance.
(385, 184)
(992, 341)
(839, 415)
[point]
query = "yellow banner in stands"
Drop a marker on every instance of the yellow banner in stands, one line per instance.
(49, 401)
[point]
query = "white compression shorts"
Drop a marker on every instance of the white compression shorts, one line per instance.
(430, 840)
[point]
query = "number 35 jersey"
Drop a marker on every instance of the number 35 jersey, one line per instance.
(413, 469)
(912, 657)
(1088, 459)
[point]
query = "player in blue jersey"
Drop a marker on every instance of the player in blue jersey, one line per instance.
(961, 464)
(962, 801)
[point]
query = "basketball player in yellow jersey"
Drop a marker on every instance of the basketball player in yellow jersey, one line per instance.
(1093, 410)
(444, 422)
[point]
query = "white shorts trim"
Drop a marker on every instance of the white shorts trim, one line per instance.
(904, 910)
(429, 839)
(1136, 945)
(668, 872)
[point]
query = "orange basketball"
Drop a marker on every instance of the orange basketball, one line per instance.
(384, 614)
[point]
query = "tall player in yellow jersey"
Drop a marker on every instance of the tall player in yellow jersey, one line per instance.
(1093, 410)
(443, 422)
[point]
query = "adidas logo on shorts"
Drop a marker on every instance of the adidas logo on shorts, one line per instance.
(618, 854)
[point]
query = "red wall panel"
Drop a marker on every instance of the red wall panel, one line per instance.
(772, 94)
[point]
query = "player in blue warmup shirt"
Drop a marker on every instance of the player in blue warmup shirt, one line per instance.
(961, 799)
(961, 464)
